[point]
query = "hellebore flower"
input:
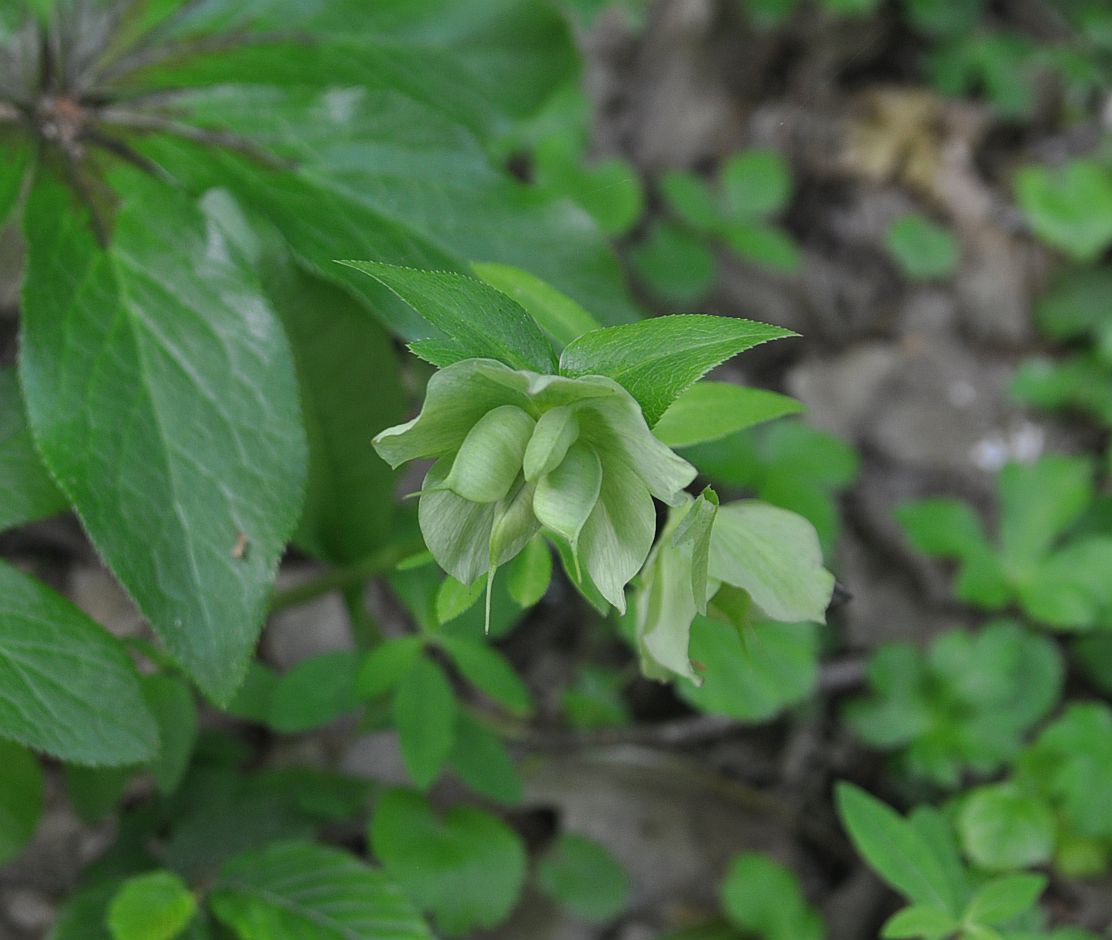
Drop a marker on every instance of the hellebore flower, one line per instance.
(737, 563)
(517, 452)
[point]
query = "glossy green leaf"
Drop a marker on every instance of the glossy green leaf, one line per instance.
(28, 491)
(189, 471)
(466, 867)
(424, 712)
(894, 849)
(582, 875)
(171, 702)
(66, 686)
(297, 889)
(21, 798)
(709, 411)
(481, 322)
(315, 692)
(561, 317)
(656, 360)
(154, 906)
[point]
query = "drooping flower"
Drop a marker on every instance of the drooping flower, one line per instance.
(739, 563)
(517, 452)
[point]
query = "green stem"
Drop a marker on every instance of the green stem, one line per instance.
(345, 576)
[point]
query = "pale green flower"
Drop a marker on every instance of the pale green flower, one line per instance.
(740, 562)
(517, 452)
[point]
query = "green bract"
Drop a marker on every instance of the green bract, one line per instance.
(738, 561)
(517, 452)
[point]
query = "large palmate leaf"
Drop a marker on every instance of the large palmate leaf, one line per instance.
(163, 397)
(66, 685)
(300, 890)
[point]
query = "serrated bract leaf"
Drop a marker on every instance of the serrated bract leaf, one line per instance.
(190, 443)
(482, 322)
(424, 713)
(21, 798)
(709, 411)
(656, 360)
(26, 490)
(66, 685)
(300, 890)
(467, 868)
(153, 906)
(562, 318)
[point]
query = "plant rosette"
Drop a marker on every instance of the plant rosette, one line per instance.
(519, 452)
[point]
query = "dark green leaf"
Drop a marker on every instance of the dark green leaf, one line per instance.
(466, 867)
(491, 673)
(171, 702)
(188, 471)
(657, 360)
(480, 759)
(21, 798)
(296, 889)
(755, 183)
(26, 490)
(674, 264)
(96, 791)
(584, 877)
(66, 685)
(15, 158)
(313, 693)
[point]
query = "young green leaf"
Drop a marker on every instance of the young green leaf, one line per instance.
(658, 359)
(919, 920)
(674, 264)
(480, 760)
(188, 474)
(1004, 898)
(297, 889)
(709, 411)
(894, 849)
(755, 183)
(583, 876)
(467, 868)
(490, 672)
(480, 322)
(154, 906)
(385, 665)
(424, 713)
(68, 688)
(1069, 207)
(923, 249)
(21, 798)
(763, 244)
(690, 198)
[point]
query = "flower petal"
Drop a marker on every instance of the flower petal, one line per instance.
(456, 530)
(566, 497)
(489, 460)
(619, 532)
(665, 608)
(557, 429)
(456, 398)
